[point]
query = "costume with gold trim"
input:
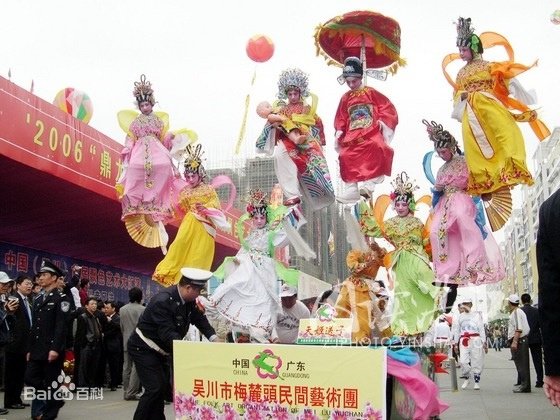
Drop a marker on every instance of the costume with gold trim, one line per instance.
(357, 298)
(194, 244)
(301, 170)
(494, 145)
(414, 307)
(147, 181)
(460, 254)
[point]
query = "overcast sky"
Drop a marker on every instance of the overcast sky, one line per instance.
(193, 52)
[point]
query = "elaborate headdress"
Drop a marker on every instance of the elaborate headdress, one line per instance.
(292, 79)
(440, 137)
(353, 67)
(366, 263)
(143, 91)
(193, 160)
(257, 202)
(466, 36)
(403, 190)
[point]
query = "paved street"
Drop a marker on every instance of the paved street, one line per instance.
(495, 401)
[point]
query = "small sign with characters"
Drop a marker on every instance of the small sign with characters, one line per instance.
(325, 328)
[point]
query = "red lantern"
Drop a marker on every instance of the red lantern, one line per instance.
(260, 48)
(437, 360)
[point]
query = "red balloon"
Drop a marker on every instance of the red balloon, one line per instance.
(260, 48)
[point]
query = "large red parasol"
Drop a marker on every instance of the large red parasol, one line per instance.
(371, 36)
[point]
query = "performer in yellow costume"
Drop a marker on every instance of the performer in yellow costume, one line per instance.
(358, 295)
(194, 243)
(494, 145)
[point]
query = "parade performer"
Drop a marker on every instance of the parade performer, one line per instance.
(301, 169)
(357, 298)
(145, 185)
(365, 122)
(494, 145)
(248, 297)
(414, 302)
(194, 244)
(469, 335)
(460, 254)
(439, 336)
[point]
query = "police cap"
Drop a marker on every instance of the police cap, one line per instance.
(195, 276)
(48, 267)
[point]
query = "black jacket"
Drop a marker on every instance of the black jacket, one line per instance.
(166, 319)
(533, 320)
(88, 331)
(49, 325)
(548, 262)
(20, 329)
(112, 335)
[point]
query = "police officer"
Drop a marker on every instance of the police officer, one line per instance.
(47, 341)
(166, 318)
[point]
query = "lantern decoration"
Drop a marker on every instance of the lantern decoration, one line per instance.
(555, 17)
(74, 102)
(437, 359)
(260, 48)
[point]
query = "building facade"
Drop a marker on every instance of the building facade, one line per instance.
(520, 232)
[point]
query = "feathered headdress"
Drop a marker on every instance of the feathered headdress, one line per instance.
(143, 91)
(366, 263)
(403, 190)
(466, 36)
(292, 79)
(193, 160)
(257, 202)
(440, 137)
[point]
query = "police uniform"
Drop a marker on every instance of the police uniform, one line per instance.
(166, 318)
(48, 333)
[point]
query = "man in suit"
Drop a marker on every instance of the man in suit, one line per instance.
(166, 318)
(88, 344)
(16, 351)
(47, 341)
(534, 339)
(130, 314)
(548, 263)
(113, 344)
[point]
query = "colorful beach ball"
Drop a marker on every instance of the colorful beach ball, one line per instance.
(74, 102)
(555, 17)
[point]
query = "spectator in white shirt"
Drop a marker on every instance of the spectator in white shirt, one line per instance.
(518, 330)
(293, 310)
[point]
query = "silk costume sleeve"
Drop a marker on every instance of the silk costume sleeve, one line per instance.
(384, 108)
(341, 116)
(342, 304)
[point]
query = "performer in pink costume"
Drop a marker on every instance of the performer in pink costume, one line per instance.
(460, 254)
(146, 184)
(365, 122)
